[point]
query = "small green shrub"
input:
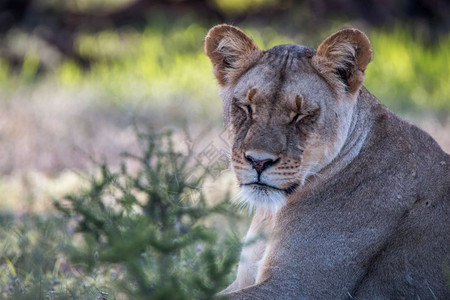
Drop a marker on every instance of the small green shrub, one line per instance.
(148, 224)
(136, 233)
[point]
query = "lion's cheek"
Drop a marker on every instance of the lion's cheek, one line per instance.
(244, 174)
(318, 154)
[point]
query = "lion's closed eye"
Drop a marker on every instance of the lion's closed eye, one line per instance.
(249, 110)
(297, 117)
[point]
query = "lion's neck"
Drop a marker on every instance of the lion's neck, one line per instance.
(356, 138)
(358, 131)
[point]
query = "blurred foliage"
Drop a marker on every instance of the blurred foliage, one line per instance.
(165, 64)
(235, 6)
(4, 71)
(157, 64)
(83, 5)
(407, 75)
(30, 263)
(229, 6)
(137, 234)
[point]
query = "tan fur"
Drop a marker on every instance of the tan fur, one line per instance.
(229, 55)
(354, 200)
(253, 251)
(347, 48)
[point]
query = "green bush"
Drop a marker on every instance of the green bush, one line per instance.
(133, 234)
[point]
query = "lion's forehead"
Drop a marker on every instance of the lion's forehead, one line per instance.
(297, 51)
(281, 62)
(282, 73)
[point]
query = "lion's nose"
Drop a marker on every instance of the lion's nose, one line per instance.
(260, 164)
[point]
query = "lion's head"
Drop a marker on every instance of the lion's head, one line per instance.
(288, 109)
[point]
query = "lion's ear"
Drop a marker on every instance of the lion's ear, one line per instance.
(343, 57)
(231, 52)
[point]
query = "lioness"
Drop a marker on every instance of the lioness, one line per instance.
(356, 201)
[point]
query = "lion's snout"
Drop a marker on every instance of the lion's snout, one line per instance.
(260, 162)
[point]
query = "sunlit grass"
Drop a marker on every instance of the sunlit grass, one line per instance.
(408, 75)
(154, 66)
(163, 65)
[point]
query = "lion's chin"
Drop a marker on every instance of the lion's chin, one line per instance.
(262, 196)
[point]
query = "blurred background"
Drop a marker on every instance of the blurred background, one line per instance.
(76, 75)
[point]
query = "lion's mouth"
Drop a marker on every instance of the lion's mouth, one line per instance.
(288, 191)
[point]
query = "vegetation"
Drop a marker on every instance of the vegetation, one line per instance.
(408, 75)
(131, 235)
(166, 64)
